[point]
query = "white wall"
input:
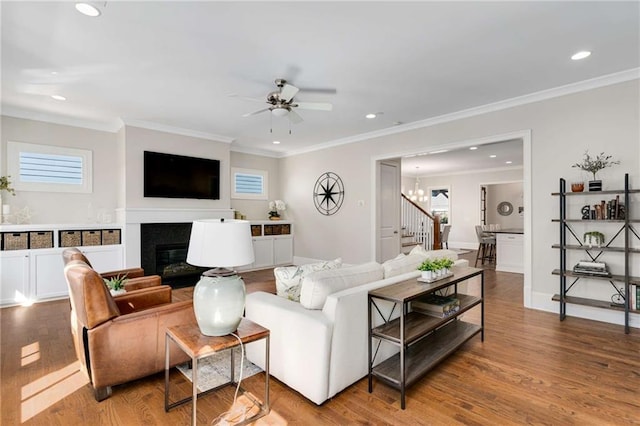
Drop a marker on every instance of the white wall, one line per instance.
(117, 169)
(602, 119)
(139, 140)
(60, 207)
(258, 209)
(509, 192)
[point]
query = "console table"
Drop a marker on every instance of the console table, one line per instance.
(198, 346)
(424, 340)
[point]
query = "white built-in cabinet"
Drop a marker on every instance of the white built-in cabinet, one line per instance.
(34, 274)
(272, 244)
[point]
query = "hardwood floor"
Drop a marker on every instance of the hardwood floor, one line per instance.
(531, 369)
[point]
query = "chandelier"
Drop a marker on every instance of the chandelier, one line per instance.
(417, 194)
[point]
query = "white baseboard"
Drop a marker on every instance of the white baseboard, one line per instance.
(543, 302)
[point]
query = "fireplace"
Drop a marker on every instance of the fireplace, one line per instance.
(164, 252)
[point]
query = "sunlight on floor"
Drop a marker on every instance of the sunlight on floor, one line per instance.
(22, 299)
(30, 353)
(46, 391)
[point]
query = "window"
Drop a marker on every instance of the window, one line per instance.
(439, 203)
(49, 168)
(249, 184)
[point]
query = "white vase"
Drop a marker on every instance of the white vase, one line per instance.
(218, 302)
(427, 275)
(117, 292)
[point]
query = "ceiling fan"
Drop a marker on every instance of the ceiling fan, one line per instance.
(282, 103)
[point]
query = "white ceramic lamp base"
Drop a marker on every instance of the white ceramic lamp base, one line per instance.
(218, 302)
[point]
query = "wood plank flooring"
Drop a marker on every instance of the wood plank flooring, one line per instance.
(531, 369)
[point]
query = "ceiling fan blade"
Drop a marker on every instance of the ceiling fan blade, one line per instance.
(318, 106)
(288, 92)
(295, 117)
(249, 114)
(322, 90)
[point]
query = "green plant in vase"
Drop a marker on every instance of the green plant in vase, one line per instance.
(593, 238)
(428, 268)
(116, 284)
(593, 165)
(447, 264)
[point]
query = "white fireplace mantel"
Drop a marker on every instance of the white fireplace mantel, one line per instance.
(131, 218)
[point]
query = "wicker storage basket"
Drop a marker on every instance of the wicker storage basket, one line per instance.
(92, 238)
(15, 240)
(110, 236)
(40, 239)
(70, 239)
(283, 229)
(256, 231)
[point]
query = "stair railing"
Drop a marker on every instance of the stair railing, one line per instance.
(421, 225)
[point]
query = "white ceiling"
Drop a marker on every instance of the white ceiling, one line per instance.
(174, 64)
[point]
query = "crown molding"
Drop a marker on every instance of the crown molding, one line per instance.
(177, 130)
(594, 83)
(469, 172)
(256, 151)
(111, 126)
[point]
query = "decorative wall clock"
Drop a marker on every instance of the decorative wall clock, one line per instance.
(328, 193)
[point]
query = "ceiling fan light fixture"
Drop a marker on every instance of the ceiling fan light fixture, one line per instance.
(279, 111)
(88, 9)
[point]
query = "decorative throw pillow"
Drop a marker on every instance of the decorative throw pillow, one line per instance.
(318, 285)
(288, 278)
(419, 250)
(402, 264)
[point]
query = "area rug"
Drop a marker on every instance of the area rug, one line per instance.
(214, 370)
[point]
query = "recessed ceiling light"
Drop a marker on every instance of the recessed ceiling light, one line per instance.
(59, 98)
(492, 156)
(473, 148)
(508, 162)
(370, 116)
(581, 55)
(276, 142)
(88, 9)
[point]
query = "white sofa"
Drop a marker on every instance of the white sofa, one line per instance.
(321, 351)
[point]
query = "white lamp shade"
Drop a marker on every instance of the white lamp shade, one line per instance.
(220, 243)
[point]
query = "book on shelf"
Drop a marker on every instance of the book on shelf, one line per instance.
(433, 304)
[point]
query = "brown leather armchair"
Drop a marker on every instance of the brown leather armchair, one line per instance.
(121, 339)
(135, 276)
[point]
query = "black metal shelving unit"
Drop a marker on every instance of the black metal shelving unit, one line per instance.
(626, 229)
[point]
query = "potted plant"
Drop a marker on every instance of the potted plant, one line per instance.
(447, 264)
(275, 207)
(428, 268)
(593, 238)
(593, 165)
(116, 284)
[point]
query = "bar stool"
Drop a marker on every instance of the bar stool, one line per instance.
(486, 245)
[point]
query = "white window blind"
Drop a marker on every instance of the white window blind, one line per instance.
(249, 184)
(49, 168)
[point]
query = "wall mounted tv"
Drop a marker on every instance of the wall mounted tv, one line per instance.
(177, 176)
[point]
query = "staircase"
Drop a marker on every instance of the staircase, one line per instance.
(418, 227)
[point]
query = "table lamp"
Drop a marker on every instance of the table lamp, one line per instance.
(218, 298)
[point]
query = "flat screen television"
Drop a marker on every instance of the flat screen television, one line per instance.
(178, 176)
